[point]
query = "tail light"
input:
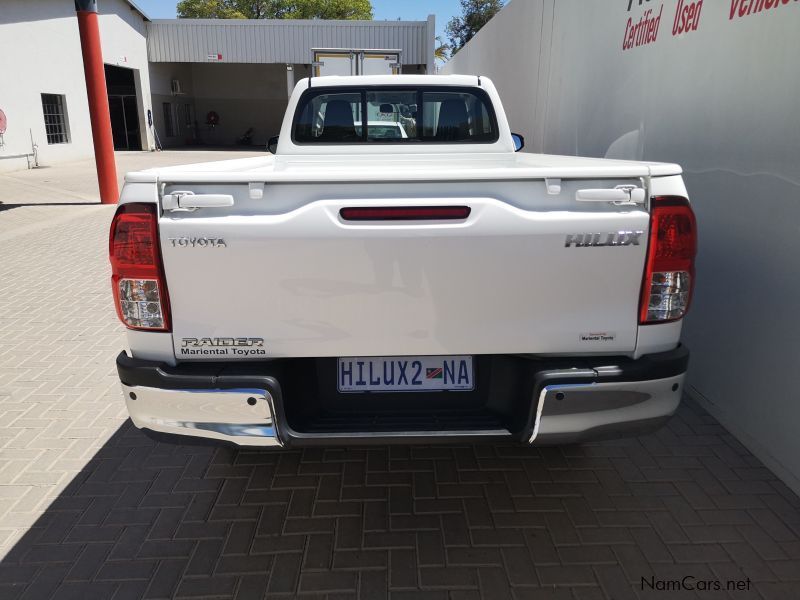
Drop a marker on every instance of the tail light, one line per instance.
(137, 273)
(669, 272)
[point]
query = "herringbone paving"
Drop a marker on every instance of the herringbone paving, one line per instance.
(91, 508)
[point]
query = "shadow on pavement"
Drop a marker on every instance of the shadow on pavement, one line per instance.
(9, 206)
(145, 519)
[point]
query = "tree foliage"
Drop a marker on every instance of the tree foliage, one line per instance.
(275, 9)
(208, 9)
(441, 51)
(474, 15)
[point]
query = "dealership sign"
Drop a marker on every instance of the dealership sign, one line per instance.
(685, 19)
(745, 8)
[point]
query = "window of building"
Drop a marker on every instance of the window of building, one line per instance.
(169, 121)
(55, 118)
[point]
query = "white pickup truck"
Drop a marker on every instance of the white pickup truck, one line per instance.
(414, 280)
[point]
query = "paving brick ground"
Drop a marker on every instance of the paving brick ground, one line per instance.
(90, 508)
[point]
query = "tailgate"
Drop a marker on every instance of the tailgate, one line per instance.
(285, 276)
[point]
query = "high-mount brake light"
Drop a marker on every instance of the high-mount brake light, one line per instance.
(137, 273)
(669, 271)
(405, 213)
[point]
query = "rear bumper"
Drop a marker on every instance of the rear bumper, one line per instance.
(556, 401)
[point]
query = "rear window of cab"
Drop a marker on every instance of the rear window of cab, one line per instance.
(395, 115)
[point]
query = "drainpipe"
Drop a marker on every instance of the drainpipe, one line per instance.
(430, 62)
(98, 100)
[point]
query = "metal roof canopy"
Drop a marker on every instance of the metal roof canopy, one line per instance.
(283, 40)
(386, 50)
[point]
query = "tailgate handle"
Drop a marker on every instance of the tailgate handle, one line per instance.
(622, 195)
(186, 200)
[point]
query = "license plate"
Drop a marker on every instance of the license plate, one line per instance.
(405, 374)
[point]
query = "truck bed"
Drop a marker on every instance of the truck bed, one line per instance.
(402, 167)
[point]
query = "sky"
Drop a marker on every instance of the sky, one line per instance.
(407, 10)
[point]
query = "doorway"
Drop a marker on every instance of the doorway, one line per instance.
(124, 109)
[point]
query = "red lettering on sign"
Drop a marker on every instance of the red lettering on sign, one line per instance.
(644, 32)
(744, 8)
(687, 16)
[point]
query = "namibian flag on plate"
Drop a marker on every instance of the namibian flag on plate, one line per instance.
(434, 373)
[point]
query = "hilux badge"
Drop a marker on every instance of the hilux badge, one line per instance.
(597, 240)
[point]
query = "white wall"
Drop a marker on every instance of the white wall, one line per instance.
(123, 35)
(40, 53)
(722, 101)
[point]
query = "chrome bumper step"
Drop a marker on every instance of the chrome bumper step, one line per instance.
(239, 416)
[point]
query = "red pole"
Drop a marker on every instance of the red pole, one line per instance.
(98, 100)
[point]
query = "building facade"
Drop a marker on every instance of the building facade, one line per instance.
(213, 80)
(43, 89)
(170, 83)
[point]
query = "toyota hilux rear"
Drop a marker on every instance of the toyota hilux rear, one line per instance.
(396, 272)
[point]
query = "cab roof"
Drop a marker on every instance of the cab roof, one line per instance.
(364, 80)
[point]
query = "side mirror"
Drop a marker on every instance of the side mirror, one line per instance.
(272, 144)
(386, 108)
(519, 142)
